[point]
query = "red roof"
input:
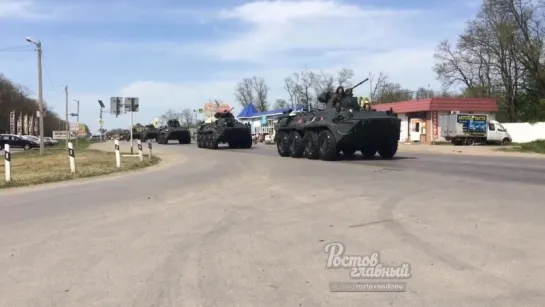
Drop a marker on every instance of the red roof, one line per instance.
(441, 104)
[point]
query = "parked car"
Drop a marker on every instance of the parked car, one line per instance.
(15, 141)
(51, 141)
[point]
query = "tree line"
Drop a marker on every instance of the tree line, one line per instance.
(15, 97)
(500, 54)
(303, 88)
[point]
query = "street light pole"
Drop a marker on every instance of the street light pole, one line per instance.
(101, 104)
(67, 122)
(77, 120)
(38, 45)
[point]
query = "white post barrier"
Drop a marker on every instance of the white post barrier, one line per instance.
(117, 154)
(7, 162)
(149, 150)
(140, 153)
(72, 157)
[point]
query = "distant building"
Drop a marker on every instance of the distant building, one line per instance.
(262, 122)
(420, 118)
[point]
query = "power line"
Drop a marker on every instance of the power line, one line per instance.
(47, 74)
(16, 48)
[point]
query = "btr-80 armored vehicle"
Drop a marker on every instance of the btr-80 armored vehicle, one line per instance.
(346, 128)
(149, 133)
(173, 131)
(224, 129)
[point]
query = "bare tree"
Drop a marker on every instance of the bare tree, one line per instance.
(344, 77)
(280, 104)
(262, 92)
(244, 92)
(303, 87)
(322, 82)
(187, 116)
(168, 115)
(377, 83)
(291, 87)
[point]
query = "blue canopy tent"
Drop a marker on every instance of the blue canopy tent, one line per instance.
(248, 112)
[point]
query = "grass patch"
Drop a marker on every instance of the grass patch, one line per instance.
(530, 147)
(29, 168)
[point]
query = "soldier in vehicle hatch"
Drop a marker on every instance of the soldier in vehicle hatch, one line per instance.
(337, 98)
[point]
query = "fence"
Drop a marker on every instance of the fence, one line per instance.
(525, 132)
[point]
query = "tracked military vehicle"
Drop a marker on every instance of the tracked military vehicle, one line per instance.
(136, 134)
(149, 133)
(344, 128)
(224, 129)
(173, 131)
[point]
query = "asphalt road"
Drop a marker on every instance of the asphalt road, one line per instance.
(230, 228)
(496, 168)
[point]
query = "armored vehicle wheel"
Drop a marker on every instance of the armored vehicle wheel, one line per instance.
(283, 145)
(247, 142)
(387, 149)
(327, 145)
(348, 152)
(207, 141)
(311, 145)
(368, 150)
(199, 142)
(297, 145)
(213, 142)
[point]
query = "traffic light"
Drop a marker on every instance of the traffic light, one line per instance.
(117, 106)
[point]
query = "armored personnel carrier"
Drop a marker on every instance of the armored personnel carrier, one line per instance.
(173, 131)
(344, 128)
(149, 133)
(224, 129)
(136, 134)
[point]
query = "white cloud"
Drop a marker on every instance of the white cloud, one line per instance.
(276, 39)
(28, 10)
(326, 35)
(278, 29)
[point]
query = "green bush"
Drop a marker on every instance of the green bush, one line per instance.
(535, 146)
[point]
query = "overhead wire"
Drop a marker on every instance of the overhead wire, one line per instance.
(48, 76)
(16, 48)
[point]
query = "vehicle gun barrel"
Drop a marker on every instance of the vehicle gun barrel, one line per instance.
(362, 82)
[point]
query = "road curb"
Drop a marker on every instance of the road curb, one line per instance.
(165, 162)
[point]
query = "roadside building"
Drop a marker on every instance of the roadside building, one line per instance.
(420, 118)
(262, 122)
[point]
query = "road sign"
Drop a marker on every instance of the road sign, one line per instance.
(61, 135)
(74, 127)
(116, 106)
(101, 123)
(132, 104)
(12, 122)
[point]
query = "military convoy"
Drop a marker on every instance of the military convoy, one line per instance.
(149, 133)
(224, 129)
(344, 128)
(173, 131)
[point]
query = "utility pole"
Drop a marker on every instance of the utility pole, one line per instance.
(67, 122)
(132, 122)
(101, 105)
(100, 124)
(77, 120)
(38, 45)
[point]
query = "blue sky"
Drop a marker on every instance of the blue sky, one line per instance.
(179, 54)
